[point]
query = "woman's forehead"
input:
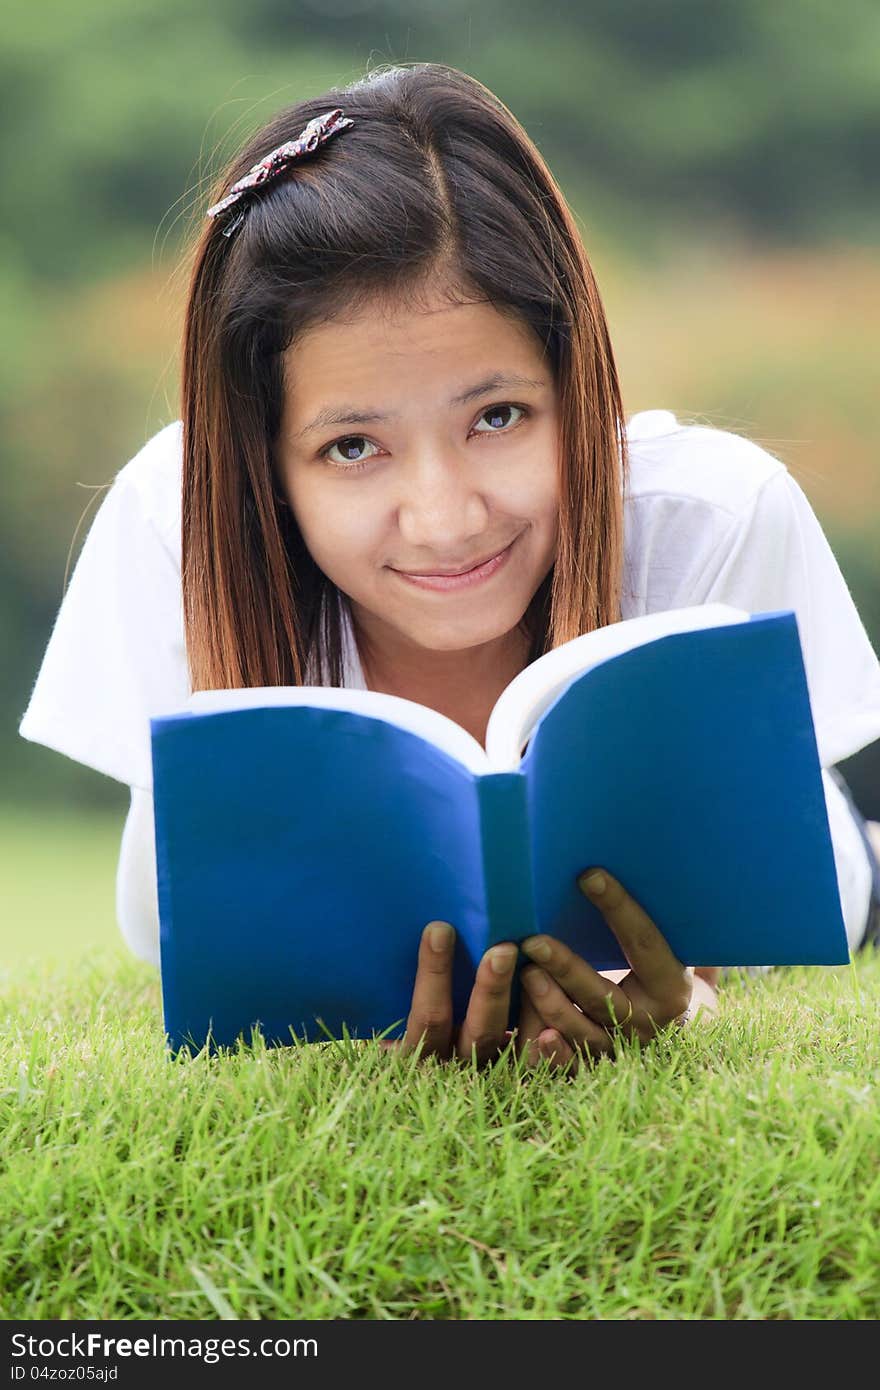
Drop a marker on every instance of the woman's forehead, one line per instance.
(452, 339)
(367, 373)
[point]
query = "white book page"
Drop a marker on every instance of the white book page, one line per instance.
(517, 709)
(430, 725)
(520, 706)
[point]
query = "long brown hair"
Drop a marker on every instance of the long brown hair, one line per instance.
(435, 179)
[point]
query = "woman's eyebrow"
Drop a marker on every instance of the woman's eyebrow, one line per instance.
(356, 415)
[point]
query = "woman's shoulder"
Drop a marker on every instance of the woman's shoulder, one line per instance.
(694, 463)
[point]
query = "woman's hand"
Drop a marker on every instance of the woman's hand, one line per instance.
(570, 1009)
(483, 1034)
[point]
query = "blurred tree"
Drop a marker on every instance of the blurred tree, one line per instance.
(667, 124)
(764, 116)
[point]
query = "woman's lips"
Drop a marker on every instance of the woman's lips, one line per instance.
(443, 582)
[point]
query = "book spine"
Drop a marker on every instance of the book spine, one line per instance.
(507, 857)
(163, 887)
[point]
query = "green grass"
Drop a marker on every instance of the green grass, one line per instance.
(729, 1172)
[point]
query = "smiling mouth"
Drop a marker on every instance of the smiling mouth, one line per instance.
(480, 573)
(451, 573)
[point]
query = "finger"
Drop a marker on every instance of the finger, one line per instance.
(660, 971)
(558, 1012)
(599, 998)
(560, 1055)
(484, 1031)
(430, 1015)
(529, 1025)
(538, 1042)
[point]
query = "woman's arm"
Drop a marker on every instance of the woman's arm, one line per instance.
(137, 900)
(850, 861)
(704, 995)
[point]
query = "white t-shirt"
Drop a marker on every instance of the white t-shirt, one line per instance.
(710, 517)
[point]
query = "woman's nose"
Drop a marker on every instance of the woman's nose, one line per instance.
(441, 504)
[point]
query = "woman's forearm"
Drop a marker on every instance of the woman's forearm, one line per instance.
(705, 999)
(137, 906)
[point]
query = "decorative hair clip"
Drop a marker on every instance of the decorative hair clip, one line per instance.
(313, 135)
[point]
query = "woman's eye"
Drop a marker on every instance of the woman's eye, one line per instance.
(352, 453)
(351, 448)
(499, 418)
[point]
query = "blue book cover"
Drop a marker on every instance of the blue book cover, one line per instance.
(306, 835)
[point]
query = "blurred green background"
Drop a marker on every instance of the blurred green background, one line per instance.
(721, 157)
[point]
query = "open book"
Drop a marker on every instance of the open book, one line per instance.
(305, 835)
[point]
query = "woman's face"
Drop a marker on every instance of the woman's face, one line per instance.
(423, 439)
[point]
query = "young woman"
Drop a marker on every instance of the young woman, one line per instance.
(397, 370)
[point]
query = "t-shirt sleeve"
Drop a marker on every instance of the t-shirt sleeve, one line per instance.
(116, 655)
(776, 556)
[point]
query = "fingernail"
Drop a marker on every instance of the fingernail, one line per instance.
(594, 883)
(537, 948)
(536, 981)
(502, 959)
(440, 936)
